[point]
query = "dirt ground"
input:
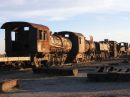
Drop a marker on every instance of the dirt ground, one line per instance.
(43, 85)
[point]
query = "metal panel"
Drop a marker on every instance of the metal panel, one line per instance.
(9, 59)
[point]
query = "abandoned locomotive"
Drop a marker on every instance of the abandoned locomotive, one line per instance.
(36, 44)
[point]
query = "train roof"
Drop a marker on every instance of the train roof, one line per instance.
(77, 34)
(13, 25)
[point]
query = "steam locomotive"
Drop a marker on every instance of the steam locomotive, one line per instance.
(35, 43)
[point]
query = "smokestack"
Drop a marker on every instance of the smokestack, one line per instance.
(91, 39)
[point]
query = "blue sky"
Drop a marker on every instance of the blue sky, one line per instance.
(99, 18)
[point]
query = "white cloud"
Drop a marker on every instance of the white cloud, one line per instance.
(60, 9)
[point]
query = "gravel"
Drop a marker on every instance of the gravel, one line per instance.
(42, 85)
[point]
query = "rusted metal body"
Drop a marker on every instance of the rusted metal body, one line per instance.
(77, 53)
(87, 46)
(128, 50)
(92, 44)
(110, 74)
(113, 49)
(90, 49)
(104, 50)
(12, 59)
(25, 41)
(104, 46)
(36, 43)
(62, 43)
(122, 48)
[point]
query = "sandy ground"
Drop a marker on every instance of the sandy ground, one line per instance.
(41, 85)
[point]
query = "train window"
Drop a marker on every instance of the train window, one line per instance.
(45, 35)
(67, 35)
(13, 36)
(122, 44)
(26, 28)
(40, 35)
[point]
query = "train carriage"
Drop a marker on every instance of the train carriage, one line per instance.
(35, 44)
(23, 39)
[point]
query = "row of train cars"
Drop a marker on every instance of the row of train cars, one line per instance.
(29, 44)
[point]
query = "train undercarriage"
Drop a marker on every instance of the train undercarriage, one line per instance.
(40, 61)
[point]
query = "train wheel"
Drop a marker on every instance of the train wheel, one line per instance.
(48, 64)
(36, 69)
(36, 65)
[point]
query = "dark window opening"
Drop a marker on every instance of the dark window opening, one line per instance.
(40, 35)
(45, 35)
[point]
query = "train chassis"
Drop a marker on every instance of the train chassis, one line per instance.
(48, 60)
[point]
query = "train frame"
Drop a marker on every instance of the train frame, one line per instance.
(35, 44)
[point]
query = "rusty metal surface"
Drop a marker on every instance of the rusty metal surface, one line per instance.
(63, 43)
(13, 25)
(87, 47)
(104, 46)
(123, 48)
(92, 46)
(31, 42)
(78, 44)
(7, 59)
(43, 45)
(113, 48)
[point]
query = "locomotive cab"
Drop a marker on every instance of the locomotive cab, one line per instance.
(23, 38)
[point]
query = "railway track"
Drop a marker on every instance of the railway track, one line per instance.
(104, 71)
(74, 69)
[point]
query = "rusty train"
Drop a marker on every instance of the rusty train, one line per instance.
(35, 44)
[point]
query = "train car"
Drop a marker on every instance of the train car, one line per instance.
(23, 38)
(29, 43)
(34, 43)
(21, 41)
(122, 49)
(102, 50)
(77, 53)
(90, 49)
(113, 49)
